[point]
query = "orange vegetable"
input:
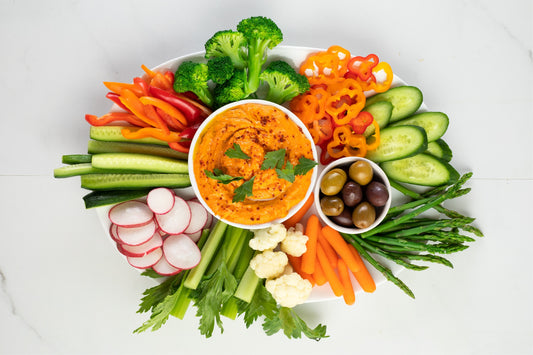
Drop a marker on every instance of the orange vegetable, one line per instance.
(309, 257)
(296, 263)
(344, 275)
(329, 272)
(384, 85)
(297, 217)
(319, 276)
(120, 87)
(164, 106)
(131, 101)
(362, 276)
(158, 133)
(328, 249)
(341, 247)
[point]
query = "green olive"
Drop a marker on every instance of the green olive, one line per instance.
(361, 172)
(333, 181)
(331, 205)
(364, 215)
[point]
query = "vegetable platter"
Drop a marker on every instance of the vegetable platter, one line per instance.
(353, 106)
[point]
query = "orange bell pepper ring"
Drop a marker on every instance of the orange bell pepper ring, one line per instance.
(382, 86)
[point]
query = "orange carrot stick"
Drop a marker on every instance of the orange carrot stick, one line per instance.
(362, 276)
(297, 217)
(331, 276)
(296, 263)
(341, 247)
(319, 276)
(309, 257)
(328, 249)
(344, 275)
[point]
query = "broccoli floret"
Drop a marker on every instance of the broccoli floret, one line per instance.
(261, 34)
(192, 76)
(220, 69)
(232, 90)
(283, 81)
(227, 43)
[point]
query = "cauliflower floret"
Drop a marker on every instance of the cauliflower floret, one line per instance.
(295, 242)
(269, 264)
(289, 290)
(268, 238)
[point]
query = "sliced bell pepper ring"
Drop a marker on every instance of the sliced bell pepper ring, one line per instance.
(344, 57)
(345, 105)
(114, 117)
(306, 107)
(345, 143)
(191, 112)
(152, 132)
(384, 85)
(320, 65)
(166, 107)
(321, 130)
(116, 99)
(361, 122)
(362, 66)
(179, 147)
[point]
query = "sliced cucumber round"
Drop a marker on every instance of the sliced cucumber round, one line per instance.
(406, 100)
(399, 142)
(434, 123)
(381, 111)
(421, 169)
(440, 149)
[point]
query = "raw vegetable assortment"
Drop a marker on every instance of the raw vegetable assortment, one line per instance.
(136, 165)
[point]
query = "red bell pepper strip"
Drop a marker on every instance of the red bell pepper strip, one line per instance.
(192, 113)
(189, 132)
(142, 84)
(116, 99)
(114, 117)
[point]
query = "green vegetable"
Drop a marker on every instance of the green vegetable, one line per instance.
(219, 175)
(381, 111)
(232, 90)
(139, 162)
(440, 149)
(274, 159)
(192, 76)
(261, 34)
(227, 43)
(292, 325)
(284, 83)
(76, 158)
(220, 69)
(421, 169)
(95, 147)
(103, 198)
(77, 169)
(110, 181)
(243, 191)
(434, 123)
(114, 134)
(406, 100)
(399, 142)
(236, 152)
(404, 236)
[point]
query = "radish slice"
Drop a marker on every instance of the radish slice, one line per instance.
(113, 232)
(136, 235)
(209, 220)
(195, 237)
(198, 218)
(130, 214)
(177, 219)
(181, 252)
(144, 262)
(163, 268)
(160, 200)
(142, 249)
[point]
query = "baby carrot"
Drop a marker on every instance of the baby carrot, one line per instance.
(309, 257)
(296, 263)
(297, 217)
(331, 276)
(362, 276)
(344, 275)
(328, 249)
(319, 276)
(341, 247)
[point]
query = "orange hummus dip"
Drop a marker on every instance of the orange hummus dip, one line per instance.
(257, 129)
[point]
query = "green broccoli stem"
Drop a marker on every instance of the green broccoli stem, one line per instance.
(256, 59)
(208, 251)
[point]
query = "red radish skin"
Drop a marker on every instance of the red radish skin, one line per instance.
(209, 220)
(130, 214)
(145, 248)
(136, 235)
(181, 252)
(113, 232)
(198, 217)
(163, 268)
(195, 237)
(177, 219)
(160, 200)
(146, 261)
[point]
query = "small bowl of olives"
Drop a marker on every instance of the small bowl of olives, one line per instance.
(352, 195)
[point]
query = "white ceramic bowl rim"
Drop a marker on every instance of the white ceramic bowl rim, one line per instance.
(295, 119)
(345, 161)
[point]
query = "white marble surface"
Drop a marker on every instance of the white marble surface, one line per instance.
(64, 289)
